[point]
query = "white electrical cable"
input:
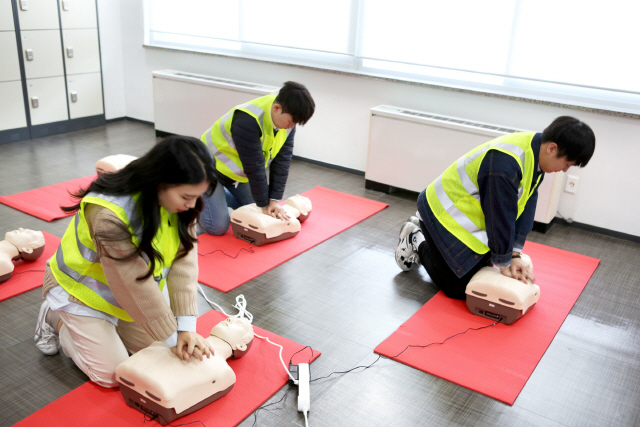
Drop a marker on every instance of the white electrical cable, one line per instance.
(241, 305)
(281, 360)
(306, 420)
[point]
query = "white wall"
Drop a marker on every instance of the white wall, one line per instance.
(111, 49)
(338, 131)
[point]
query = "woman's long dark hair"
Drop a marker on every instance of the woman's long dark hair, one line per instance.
(175, 160)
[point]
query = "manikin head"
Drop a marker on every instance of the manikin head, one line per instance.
(30, 243)
(302, 204)
(237, 332)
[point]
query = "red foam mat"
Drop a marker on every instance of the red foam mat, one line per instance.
(259, 375)
(45, 202)
(332, 212)
(496, 361)
(28, 275)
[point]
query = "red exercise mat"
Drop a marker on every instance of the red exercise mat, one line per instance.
(28, 275)
(45, 202)
(259, 375)
(332, 212)
(495, 361)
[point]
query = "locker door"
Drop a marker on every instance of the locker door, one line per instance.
(81, 51)
(43, 47)
(47, 100)
(12, 114)
(85, 95)
(6, 16)
(9, 62)
(38, 14)
(78, 14)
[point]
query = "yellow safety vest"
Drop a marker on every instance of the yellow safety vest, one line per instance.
(220, 140)
(454, 197)
(76, 265)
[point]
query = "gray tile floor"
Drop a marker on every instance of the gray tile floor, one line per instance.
(344, 297)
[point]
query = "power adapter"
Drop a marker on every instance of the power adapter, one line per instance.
(293, 370)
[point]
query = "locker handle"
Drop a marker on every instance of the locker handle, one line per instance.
(34, 102)
(29, 54)
(23, 5)
(74, 96)
(70, 52)
(66, 5)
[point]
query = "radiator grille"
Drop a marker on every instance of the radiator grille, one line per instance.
(458, 121)
(218, 80)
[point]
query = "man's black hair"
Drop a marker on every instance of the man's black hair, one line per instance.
(574, 138)
(296, 100)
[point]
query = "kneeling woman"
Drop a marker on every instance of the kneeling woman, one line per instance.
(125, 274)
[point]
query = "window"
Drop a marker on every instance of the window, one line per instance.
(566, 51)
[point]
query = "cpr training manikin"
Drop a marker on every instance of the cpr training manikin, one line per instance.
(18, 244)
(161, 385)
(250, 224)
(492, 295)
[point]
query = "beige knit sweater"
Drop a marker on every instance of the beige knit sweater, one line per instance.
(142, 300)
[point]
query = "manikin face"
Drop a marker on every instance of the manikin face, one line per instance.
(303, 204)
(281, 120)
(550, 162)
(237, 331)
(180, 198)
(25, 240)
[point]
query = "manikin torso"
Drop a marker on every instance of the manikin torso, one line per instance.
(19, 244)
(180, 384)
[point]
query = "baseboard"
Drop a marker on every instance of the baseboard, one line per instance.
(130, 119)
(328, 165)
(162, 134)
(542, 227)
(13, 135)
(378, 186)
(65, 126)
(599, 230)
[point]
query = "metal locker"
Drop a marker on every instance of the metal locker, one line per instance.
(6, 16)
(81, 51)
(43, 47)
(9, 62)
(85, 95)
(12, 114)
(78, 14)
(47, 100)
(38, 14)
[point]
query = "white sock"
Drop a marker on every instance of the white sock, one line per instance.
(52, 318)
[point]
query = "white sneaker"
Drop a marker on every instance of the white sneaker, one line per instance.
(406, 255)
(46, 337)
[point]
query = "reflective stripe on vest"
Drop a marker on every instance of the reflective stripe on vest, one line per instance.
(460, 222)
(219, 155)
(95, 285)
(86, 259)
(221, 128)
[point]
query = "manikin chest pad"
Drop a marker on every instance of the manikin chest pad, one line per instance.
(492, 295)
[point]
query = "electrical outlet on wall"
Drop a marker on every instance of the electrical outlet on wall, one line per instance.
(571, 186)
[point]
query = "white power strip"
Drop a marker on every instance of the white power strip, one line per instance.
(304, 393)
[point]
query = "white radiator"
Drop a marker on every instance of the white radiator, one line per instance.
(408, 149)
(188, 104)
